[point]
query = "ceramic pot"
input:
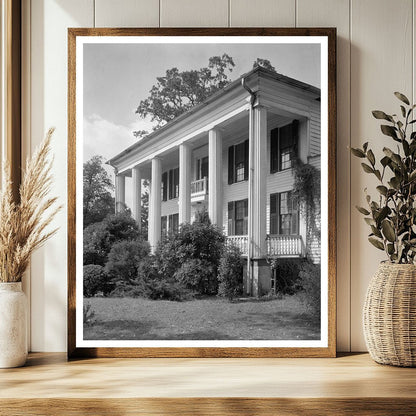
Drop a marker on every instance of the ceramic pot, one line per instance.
(389, 316)
(13, 325)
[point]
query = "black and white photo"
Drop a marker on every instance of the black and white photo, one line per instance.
(202, 215)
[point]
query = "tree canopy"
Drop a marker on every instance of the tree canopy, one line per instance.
(98, 202)
(178, 91)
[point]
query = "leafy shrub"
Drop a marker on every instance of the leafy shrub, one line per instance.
(170, 254)
(152, 284)
(287, 275)
(230, 273)
(124, 259)
(95, 280)
(310, 281)
(200, 244)
(167, 289)
(204, 241)
(100, 237)
(198, 276)
(89, 315)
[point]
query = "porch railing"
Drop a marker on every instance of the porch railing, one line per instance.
(284, 245)
(199, 188)
(240, 241)
(276, 245)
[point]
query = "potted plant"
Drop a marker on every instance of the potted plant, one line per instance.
(390, 307)
(23, 229)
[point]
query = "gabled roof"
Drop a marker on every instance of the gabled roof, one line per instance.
(234, 84)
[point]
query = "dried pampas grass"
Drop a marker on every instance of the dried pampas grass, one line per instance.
(23, 224)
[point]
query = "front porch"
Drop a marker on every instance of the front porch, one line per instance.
(284, 246)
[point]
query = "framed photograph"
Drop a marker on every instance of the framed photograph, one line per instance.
(201, 192)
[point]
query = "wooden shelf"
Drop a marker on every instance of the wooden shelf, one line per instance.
(350, 384)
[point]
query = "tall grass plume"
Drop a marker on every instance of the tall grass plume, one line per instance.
(24, 224)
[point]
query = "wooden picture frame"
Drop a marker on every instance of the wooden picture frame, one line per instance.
(326, 39)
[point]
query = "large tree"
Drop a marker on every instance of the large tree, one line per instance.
(98, 201)
(178, 91)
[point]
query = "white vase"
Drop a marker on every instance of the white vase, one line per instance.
(13, 325)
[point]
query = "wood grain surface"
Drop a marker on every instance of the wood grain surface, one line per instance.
(347, 385)
(329, 351)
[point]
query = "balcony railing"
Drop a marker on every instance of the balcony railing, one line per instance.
(199, 189)
(277, 245)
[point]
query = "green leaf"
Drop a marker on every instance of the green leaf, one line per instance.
(403, 111)
(370, 157)
(406, 147)
(394, 182)
(385, 161)
(382, 214)
(367, 168)
(390, 248)
(388, 230)
(382, 189)
(393, 156)
(402, 97)
(362, 210)
(381, 115)
(389, 131)
(365, 145)
(357, 152)
(376, 231)
(369, 221)
(378, 174)
(376, 243)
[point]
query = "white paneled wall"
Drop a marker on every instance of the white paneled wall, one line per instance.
(375, 52)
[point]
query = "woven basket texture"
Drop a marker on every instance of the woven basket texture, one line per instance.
(389, 316)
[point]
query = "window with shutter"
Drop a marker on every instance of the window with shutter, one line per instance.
(238, 217)
(173, 223)
(174, 183)
(238, 162)
(283, 146)
(284, 214)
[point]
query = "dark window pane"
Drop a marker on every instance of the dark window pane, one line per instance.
(164, 186)
(204, 167)
(274, 150)
(231, 165)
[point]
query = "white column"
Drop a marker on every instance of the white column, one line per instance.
(120, 192)
(184, 183)
(215, 177)
(155, 204)
(137, 195)
(258, 170)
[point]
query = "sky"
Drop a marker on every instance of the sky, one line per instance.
(118, 76)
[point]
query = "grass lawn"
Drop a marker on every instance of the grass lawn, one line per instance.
(200, 319)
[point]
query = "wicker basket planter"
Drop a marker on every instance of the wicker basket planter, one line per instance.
(390, 315)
